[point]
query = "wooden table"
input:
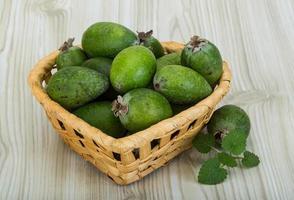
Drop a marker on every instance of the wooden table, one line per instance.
(255, 36)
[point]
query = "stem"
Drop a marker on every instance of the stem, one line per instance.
(196, 43)
(143, 36)
(219, 151)
(67, 44)
(237, 157)
(215, 149)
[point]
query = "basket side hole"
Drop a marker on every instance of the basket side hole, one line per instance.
(174, 135)
(136, 153)
(82, 144)
(154, 143)
(95, 143)
(44, 84)
(79, 134)
(61, 125)
(110, 177)
(192, 124)
(116, 156)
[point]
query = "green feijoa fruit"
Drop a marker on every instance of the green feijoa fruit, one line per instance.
(146, 39)
(102, 65)
(99, 64)
(74, 86)
(132, 68)
(100, 115)
(168, 59)
(181, 85)
(70, 55)
(107, 39)
(140, 108)
(226, 119)
(204, 57)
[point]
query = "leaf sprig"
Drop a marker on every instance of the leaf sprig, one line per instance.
(231, 153)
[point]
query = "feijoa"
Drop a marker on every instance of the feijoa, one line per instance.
(70, 55)
(228, 118)
(146, 39)
(99, 64)
(204, 57)
(168, 59)
(100, 115)
(181, 85)
(140, 108)
(74, 86)
(102, 65)
(132, 68)
(107, 39)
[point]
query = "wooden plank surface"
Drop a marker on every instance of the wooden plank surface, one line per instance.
(255, 36)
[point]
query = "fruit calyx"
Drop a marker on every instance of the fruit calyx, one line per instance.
(67, 44)
(119, 107)
(196, 42)
(143, 36)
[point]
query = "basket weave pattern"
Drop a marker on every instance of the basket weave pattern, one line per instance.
(127, 159)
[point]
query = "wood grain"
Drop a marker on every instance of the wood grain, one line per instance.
(255, 36)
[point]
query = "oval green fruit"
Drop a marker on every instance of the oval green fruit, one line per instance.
(74, 86)
(107, 39)
(100, 115)
(181, 85)
(132, 68)
(141, 108)
(204, 57)
(147, 40)
(169, 59)
(100, 64)
(228, 118)
(69, 55)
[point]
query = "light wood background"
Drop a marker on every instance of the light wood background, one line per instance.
(255, 36)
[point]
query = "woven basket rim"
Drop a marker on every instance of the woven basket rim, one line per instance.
(38, 75)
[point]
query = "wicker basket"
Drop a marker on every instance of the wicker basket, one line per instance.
(127, 159)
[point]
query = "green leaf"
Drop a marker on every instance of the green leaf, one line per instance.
(227, 159)
(203, 142)
(250, 159)
(234, 142)
(211, 172)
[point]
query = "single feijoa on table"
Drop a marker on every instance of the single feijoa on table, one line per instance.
(100, 64)
(227, 119)
(204, 57)
(107, 39)
(140, 108)
(146, 39)
(132, 68)
(70, 55)
(74, 86)
(181, 85)
(168, 59)
(100, 115)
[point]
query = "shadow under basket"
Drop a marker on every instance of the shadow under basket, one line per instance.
(127, 159)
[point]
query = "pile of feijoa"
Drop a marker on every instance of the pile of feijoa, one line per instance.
(123, 82)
